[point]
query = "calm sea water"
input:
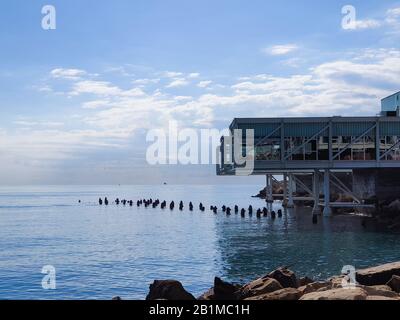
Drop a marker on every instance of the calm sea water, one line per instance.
(100, 252)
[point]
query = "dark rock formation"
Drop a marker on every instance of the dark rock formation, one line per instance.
(221, 291)
(285, 277)
(224, 290)
(168, 290)
(378, 275)
(394, 284)
(304, 281)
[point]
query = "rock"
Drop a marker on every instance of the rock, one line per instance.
(224, 290)
(315, 286)
(169, 290)
(378, 275)
(221, 291)
(379, 298)
(394, 283)
(259, 287)
(379, 291)
(337, 294)
(116, 298)
(304, 281)
(283, 294)
(385, 287)
(337, 281)
(207, 296)
(285, 277)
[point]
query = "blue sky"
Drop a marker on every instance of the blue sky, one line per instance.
(76, 102)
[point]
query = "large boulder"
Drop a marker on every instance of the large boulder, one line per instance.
(285, 277)
(378, 275)
(380, 298)
(394, 283)
(259, 287)
(224, 290)
(283, 294)
(168, 290)
(381, 291)
(315, 286)
(221, 291)
(304, 281)
(381, 287)
(208, 295)
(337, 294)
(337, 281)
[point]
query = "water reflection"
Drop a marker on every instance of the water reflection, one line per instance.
(254, 247)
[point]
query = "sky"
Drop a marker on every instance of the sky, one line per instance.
(77, 102)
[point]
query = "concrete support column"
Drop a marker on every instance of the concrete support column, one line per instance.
(285, 190)
(327, 194)
(269, 189)
(316, 209)
(290, 203)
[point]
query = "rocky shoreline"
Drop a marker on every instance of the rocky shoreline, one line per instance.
(376, 283)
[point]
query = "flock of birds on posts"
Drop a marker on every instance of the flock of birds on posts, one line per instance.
(227, 210)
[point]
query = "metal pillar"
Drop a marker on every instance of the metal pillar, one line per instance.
(290, 203)
(285, 191)
(316, 209)
(327, 194)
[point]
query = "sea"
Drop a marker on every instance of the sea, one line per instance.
(98, 252)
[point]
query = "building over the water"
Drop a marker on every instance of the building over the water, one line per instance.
(391, 105)
(325, 150)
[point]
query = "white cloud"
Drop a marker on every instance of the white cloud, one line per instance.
(193, 75)
(45, 88)
(183, 98)
(280, 50)
(393, 14)
(70, 74)
(350, 86)
(146, 81)
(366, 24)
(103, 88)
(95, 87)
(393, 19)
(172, 74)
(180, 82)
(95, 104)
(204, 84)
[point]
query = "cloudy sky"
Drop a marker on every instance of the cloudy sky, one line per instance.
(77, 102)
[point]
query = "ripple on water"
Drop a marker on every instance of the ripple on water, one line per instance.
(100, 252)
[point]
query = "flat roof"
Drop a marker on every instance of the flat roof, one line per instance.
(239, 121)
